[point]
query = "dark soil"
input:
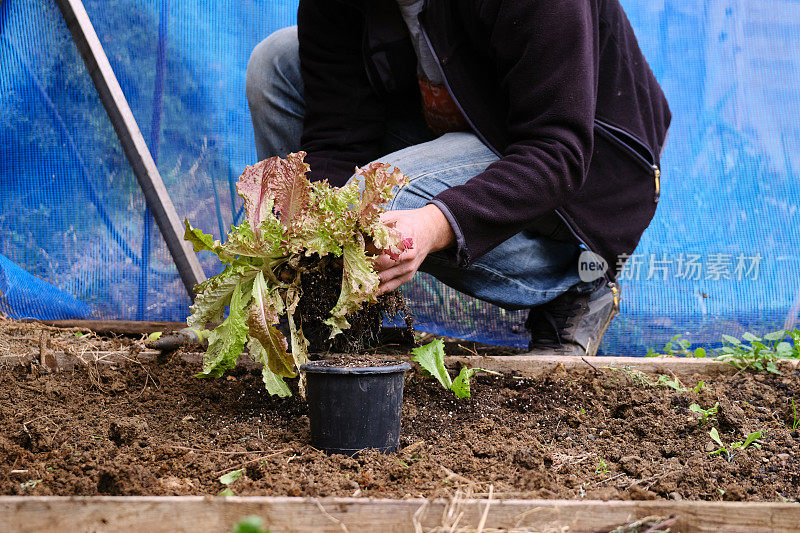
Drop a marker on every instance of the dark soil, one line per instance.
(320, 289)
(155, 429)
(354, 361)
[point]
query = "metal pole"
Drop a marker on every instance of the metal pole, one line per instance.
(132, 142)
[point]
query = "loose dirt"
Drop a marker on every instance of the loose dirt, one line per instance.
(324, 282)
(154, 429)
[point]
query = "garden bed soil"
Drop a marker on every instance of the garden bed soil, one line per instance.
(153, 429)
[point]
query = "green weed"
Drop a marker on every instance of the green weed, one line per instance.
(227, 479)
(749, 353)
(670, 382)
(643, 379)
(795, 420)
(677, 346)
(602, 467)
(704, 414)
(730, 450)
(760, 353)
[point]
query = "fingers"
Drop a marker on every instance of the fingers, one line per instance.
(399, 273)
(402, 275)
(383, 262)
(392, 285)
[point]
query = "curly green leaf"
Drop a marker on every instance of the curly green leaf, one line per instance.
(226, 342)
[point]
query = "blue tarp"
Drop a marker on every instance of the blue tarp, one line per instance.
(721, 255)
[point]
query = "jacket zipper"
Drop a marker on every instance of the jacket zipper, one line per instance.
(609, 281)
(618, 136)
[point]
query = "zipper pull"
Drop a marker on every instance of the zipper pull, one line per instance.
(657, 176)
(616, 295)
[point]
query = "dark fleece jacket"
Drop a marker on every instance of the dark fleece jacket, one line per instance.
(559, 89)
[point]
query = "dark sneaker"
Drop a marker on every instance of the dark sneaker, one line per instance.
(573, 323)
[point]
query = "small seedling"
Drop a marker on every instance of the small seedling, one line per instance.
(677, 346)
(154, 336)
(30, 484)
(704, 414)
(671, 382)
(227, 479)
(729, 451)
(795, 420)
(644, 380)
(602, 467)
(701, 386)
(250, 524)
(431, 358)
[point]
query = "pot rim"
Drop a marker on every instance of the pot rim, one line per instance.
(401, 366)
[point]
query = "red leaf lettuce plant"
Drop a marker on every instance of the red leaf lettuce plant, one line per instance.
(290, 223)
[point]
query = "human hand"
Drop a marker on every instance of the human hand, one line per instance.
(429, 231)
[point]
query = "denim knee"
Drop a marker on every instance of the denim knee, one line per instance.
(408, 197)
(275, 61)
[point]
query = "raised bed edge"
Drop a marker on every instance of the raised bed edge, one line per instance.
(517, 365)
(198, 513)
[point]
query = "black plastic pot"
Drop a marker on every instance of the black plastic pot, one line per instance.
(352, 409)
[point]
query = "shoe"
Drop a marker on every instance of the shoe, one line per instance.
(573, 323)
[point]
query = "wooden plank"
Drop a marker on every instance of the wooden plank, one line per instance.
(132, 142)
(532, 366)
(516, 365)
(116, 327)
(283, 514)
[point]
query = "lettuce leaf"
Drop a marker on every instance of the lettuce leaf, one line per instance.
(290, 187)
(431, 358)
(359, 285)
(263, 314)
(272, 381)
(378, 183)
(299, 341)
(204, 242)
(253, 187)
(460, 386)
(331, 222)
(226, 342)
(242, 240)
(214, 295)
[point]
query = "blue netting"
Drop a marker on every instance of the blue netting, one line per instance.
(77, 241)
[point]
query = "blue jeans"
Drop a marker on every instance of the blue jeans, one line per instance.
(524, 271)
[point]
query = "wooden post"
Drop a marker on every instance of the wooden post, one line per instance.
(132, 142)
